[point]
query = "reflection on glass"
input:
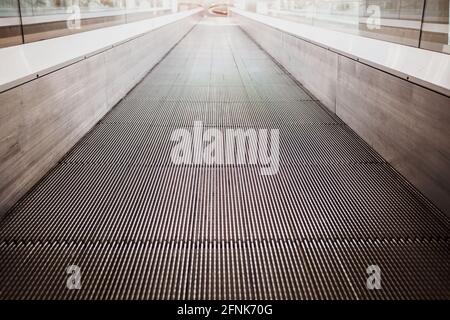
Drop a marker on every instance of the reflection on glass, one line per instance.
(43, 19)
(391, 20)
(10, 29)
(436, 28)
(397, 21)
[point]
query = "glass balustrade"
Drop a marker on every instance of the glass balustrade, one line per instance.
(23, 21)
(417, 23)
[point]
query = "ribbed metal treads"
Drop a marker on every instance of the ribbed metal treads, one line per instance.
(141, 227)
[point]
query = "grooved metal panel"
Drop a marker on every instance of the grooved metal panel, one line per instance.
(222, 78)
(228, 94)
(152, 93)
(222, 203)
(109, 143)
(134, 111)
(188, 93)
(300, 112)
(142, 227)
(217, 113)
(162, 78)
(287, 93)
(74, 199)
(220, 270)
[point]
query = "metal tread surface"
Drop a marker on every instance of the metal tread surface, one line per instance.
(141, 227)
(225, 270)
(223, 203)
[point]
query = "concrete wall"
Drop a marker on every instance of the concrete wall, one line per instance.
(407, 124)
(42, 119)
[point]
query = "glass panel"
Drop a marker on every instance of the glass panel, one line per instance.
(34, 20)
(436, 29)
(144, 9)
(43, 19)
(10, 29)
(391, 20)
